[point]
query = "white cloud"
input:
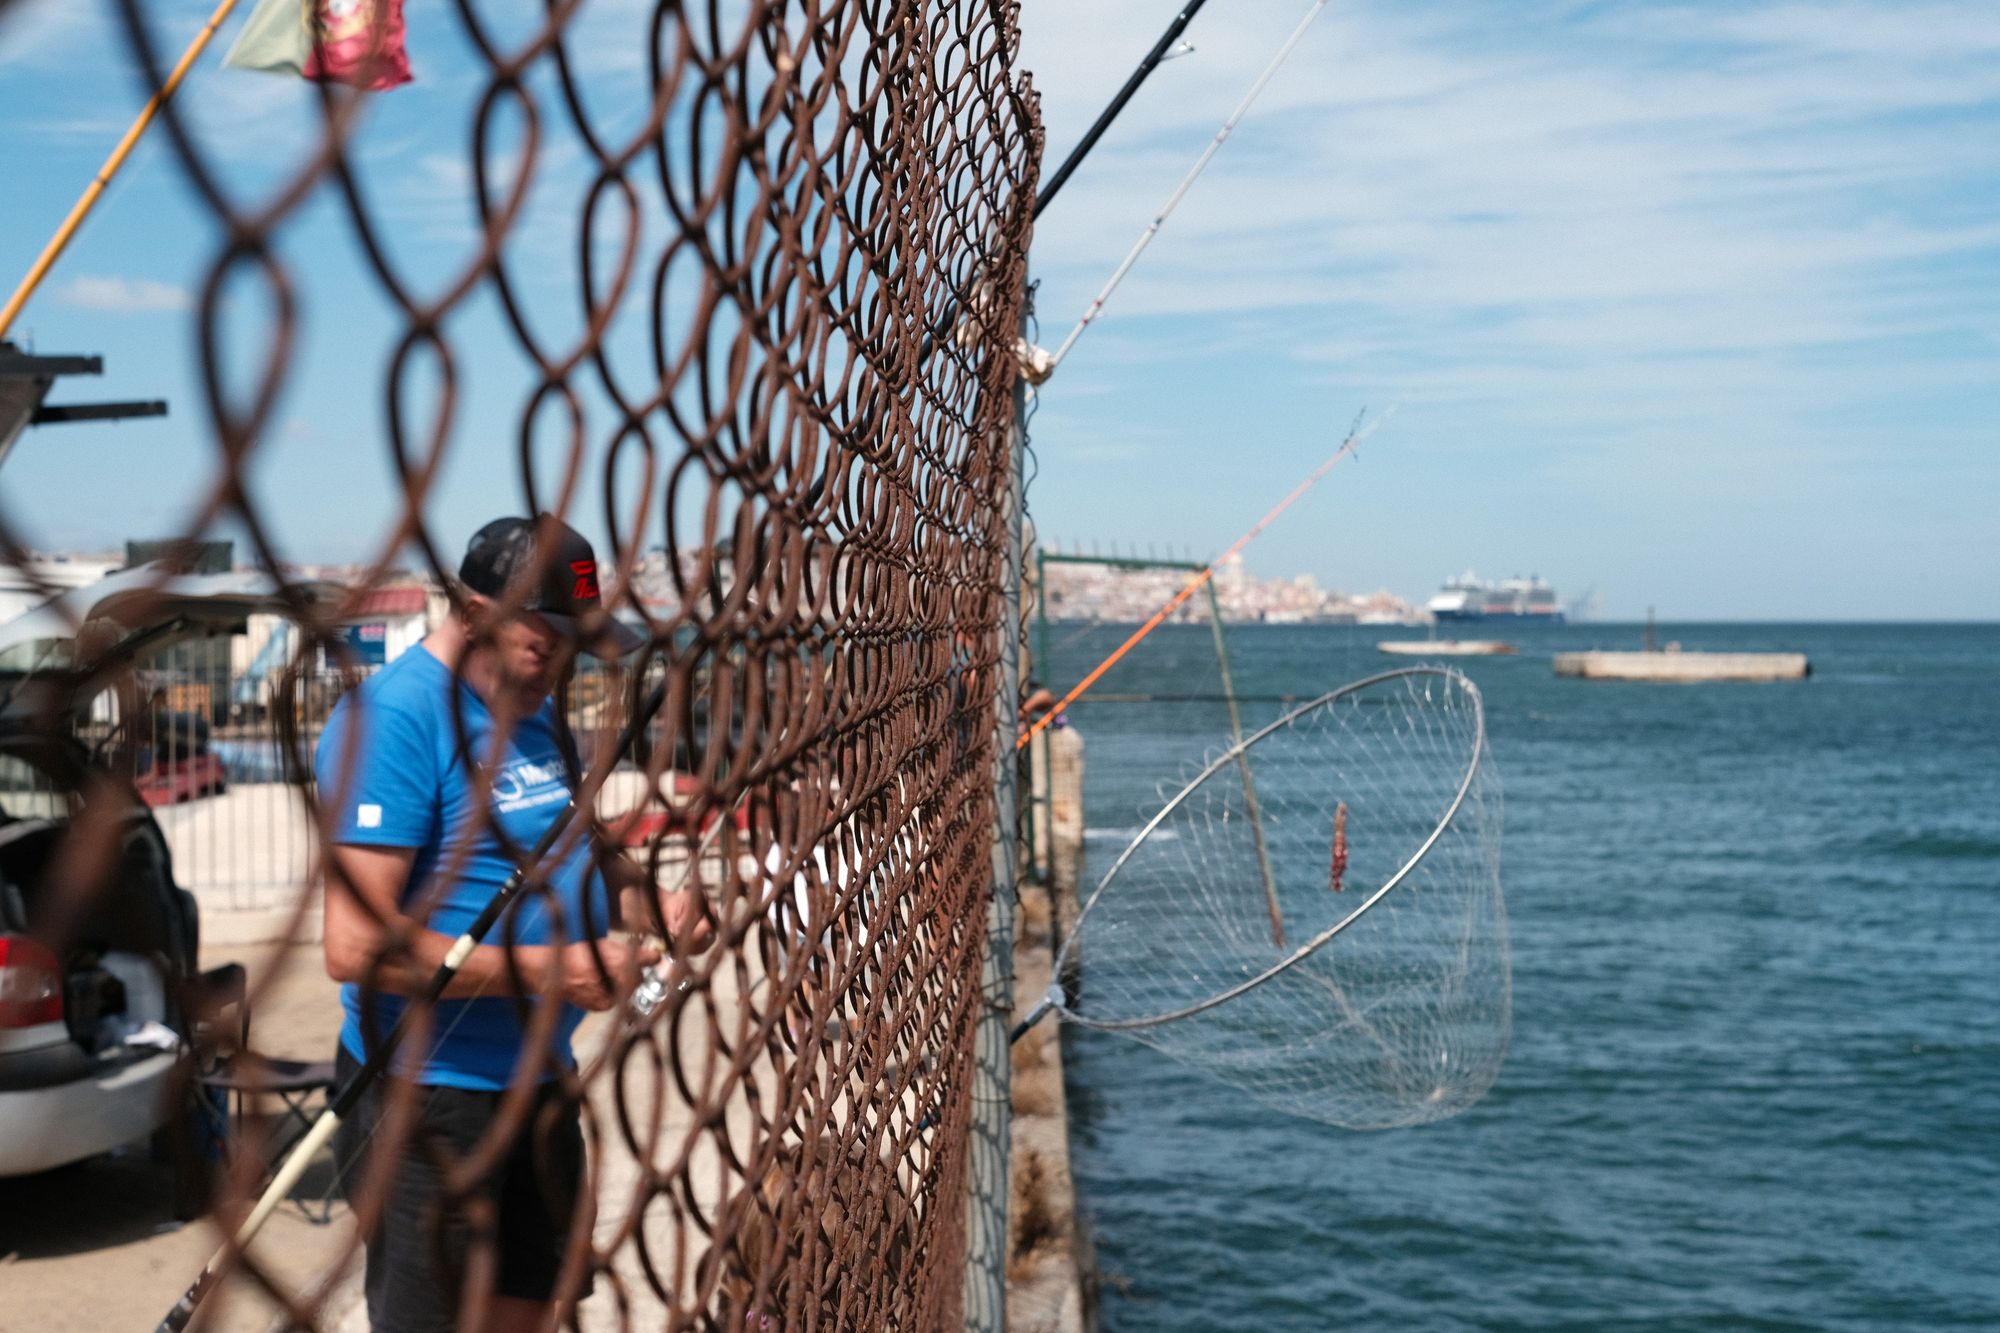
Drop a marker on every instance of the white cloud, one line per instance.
(41, 32)
(1700, 182)
(1600, 242)
(128, 296)
(91, 129)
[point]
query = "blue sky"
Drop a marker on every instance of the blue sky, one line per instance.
(1697, 305)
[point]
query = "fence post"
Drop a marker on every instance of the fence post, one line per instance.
(992, 1087)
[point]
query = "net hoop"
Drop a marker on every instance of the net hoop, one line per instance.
(1451, 677)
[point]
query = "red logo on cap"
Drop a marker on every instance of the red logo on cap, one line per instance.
(585, 589)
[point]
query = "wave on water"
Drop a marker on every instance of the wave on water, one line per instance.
(1127, 834)
(1939, 844)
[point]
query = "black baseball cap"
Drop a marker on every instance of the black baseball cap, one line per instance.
(564, 569)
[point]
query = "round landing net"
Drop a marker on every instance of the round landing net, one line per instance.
(1316, 917)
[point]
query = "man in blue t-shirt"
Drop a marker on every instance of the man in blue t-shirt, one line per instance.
(439, 773)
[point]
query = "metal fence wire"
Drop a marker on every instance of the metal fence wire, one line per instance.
(800, 275)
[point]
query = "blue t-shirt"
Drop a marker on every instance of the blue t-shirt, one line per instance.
(409, 786)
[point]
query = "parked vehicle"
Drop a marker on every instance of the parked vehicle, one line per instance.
(100, 986)
(94, 968)
(180, 765)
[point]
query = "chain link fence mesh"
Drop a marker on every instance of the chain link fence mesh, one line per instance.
(800, 265)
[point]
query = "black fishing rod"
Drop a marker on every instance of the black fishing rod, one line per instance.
(1110, 113)
(1048, 191)
(345, 1100)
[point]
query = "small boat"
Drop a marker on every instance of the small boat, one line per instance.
(1446, 648)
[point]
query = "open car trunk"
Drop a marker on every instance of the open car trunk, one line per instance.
(85, 872)
(100, 943)
(100, 951)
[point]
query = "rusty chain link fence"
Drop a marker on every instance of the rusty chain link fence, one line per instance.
(800, 278)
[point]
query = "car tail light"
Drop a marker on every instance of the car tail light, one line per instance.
(30, 984)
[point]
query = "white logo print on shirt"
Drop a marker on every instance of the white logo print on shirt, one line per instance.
(526, 783)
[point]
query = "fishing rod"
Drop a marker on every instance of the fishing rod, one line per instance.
(1355, 435)
(1046, 194)
(1153, 60)
(1187, 182)
(1200, 698)
(344, 1101)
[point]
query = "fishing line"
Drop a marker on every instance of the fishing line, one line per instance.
(1163, 50)
(1187, 183)
(1355, 435)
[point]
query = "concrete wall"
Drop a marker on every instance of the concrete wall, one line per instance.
(1672, 666)
(1050, 1286)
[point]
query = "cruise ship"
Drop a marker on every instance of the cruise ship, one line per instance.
(1467, 598)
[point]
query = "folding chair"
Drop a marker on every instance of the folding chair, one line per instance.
(248, 1081)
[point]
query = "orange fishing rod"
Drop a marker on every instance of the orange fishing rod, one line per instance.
(1355, 435)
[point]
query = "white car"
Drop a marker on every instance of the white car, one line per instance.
(99, 980)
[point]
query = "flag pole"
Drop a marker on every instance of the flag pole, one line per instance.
(60, 241)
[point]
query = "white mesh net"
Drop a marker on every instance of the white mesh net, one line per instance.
(1362, 829)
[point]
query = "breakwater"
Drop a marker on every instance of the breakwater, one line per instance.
(1049, 1283)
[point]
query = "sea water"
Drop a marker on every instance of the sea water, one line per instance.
(1755, 1073)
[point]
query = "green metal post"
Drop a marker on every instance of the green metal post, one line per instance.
(1044, 671)
(1243, 767)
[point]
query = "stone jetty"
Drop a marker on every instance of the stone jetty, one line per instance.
(1683, 668)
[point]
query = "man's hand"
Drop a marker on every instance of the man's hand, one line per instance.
(688, 919)
(644, 907)
(586, 964)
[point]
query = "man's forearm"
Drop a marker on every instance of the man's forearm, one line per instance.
(484, 971)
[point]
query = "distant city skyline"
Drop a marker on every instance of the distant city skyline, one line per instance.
(1697, 307)
(1295, 597)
